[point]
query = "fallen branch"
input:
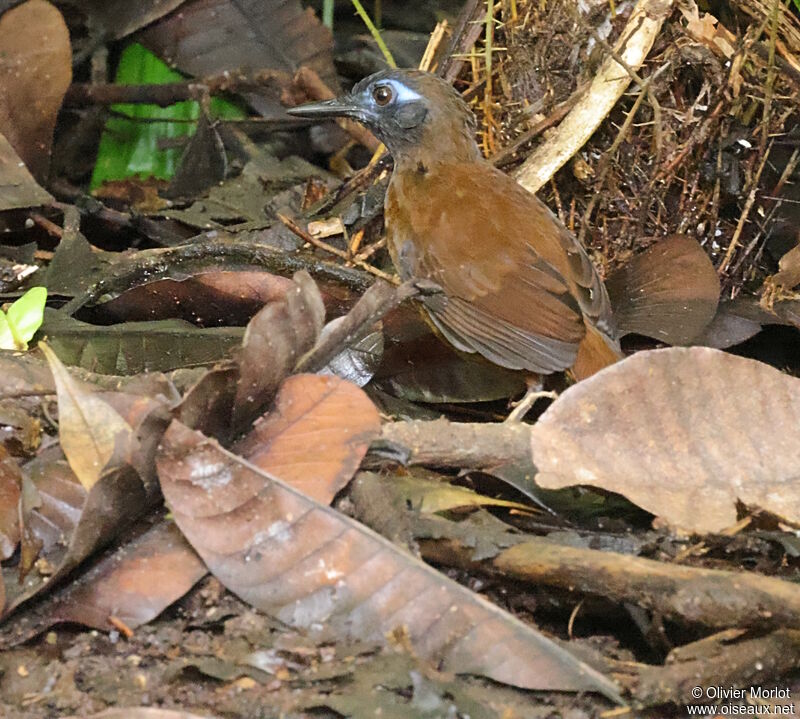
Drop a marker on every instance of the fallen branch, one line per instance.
(711, 597)
(464, 445)
(718, 661)
(88, 94)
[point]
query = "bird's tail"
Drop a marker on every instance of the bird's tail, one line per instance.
(669, 293)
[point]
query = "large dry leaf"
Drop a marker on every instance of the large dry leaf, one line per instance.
(669, 292)
(274, 340)
(207, 298)
(316, 569)
(209, 36)
(683, 433)
(35, 72)
(91, 431)
(315, 436)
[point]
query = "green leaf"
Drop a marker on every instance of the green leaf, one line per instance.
(23, 318)
(133, 143)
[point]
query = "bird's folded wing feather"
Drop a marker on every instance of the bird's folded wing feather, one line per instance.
(516, 284)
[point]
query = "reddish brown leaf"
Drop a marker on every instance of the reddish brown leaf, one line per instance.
(135, 583)
(669, 292)
(316, 436)
(10, 489)
(35, 72)
(316, 569)
(275, 340)
(683, 433)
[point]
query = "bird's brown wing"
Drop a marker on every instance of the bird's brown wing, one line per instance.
(517, 285)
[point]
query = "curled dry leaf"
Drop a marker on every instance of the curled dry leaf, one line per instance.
(316, 569)
(91, 431)
(275, 339)
(683, 433)
(316, 436)
(35, 72)
(210, 297)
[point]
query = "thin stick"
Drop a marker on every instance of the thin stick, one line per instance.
(374, 32)
(306, 237)
(748, 205)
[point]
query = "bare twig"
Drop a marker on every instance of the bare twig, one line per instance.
(88, 94)
(343, 254)
(748, 205)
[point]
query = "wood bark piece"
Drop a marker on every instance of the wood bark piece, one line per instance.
(465, 445)
(711, 597)
(759, 661)
(606, 89)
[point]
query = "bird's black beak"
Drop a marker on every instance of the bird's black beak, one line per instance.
(338, 107)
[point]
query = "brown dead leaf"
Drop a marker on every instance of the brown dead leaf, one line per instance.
(10, 488)
(135, 583)
(316, 436)
(313, 568)
(66, 523)
(273, 342)
(205, 298)
(670, 292)
(35, 72)
(210, 36)
(709, 31)
(62, 522)
(91, 431)
(682, 432)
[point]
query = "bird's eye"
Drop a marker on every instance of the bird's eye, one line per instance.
(383, 95)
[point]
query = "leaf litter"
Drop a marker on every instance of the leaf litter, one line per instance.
(662, 487)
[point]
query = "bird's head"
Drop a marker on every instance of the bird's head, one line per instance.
(410, 111)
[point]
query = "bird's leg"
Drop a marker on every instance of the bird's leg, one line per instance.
(535, 391)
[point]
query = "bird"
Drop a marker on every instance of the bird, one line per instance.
(517, 286)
